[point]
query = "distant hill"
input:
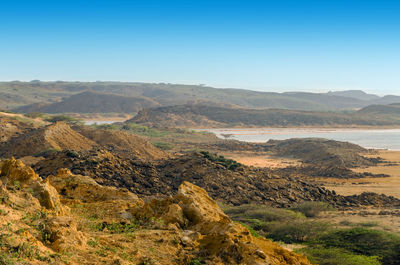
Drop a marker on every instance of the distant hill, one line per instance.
(14, 95)
(213, 116)
(382, 109)
(322, 152)
(389, 99)
(357, 94)
(92, 102)
(328, 100)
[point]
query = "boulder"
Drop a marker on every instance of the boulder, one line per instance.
(201, 211)
(62, 233)
(86, 189)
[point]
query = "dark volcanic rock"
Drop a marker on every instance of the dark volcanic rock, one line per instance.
(240, 186)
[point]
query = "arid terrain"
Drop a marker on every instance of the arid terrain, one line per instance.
(134, 192)
(389, 185)
(387, 220)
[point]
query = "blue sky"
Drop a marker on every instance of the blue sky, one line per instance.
(262, 45)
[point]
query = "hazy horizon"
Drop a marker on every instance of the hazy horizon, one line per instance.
(278, 90)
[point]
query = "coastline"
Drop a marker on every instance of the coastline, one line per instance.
(322, 128)
(372, 138)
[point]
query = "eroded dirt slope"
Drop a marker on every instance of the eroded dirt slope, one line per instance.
(58, 136)
(11, 126)
(123, 143)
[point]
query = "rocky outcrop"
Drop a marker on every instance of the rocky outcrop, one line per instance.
(203, 212)
(97, 224)
(63, 234)
(212, 233)
(14, 173)
(86, 189)
(34, 206)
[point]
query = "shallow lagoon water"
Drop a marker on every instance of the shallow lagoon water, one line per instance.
(368, 138)
(98, 122)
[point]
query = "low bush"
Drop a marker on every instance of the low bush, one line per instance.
(163, 145)
(227, 163)
(324, 244)
(106, 126)
(196, 262)
(72, 154)
(312, 209)
(5, 259)
(364, 241)
(251, 230)
(296, 231)
(277, 224)
(35, 115)
(135, 128)
(47, 152)
(260, 212)
(336, 256)
(64, 118)
(115, 228)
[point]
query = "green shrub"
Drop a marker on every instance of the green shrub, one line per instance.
(115, 228)
(260, 212)
(105, 126)
(72, 154)
(326, 246)
(251, 230)
(364, 241)
(277, 224)
(35, 115)
(196, 262)
(296, 231)
(369, 224)
(64, 118)
(221, 160)
(5, 259)
(163, 145)
(272, 214)
(157, 133)
(312, 209)
(48, 152)
(135, 127)
(336, 256)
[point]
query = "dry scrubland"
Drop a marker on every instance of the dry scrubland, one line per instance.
(125, 197)
(389, 185)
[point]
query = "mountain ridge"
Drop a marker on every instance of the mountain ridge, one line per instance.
(18, 94)
(200, 116)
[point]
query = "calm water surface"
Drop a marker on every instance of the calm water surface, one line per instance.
(98, 122)
(368, 138)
